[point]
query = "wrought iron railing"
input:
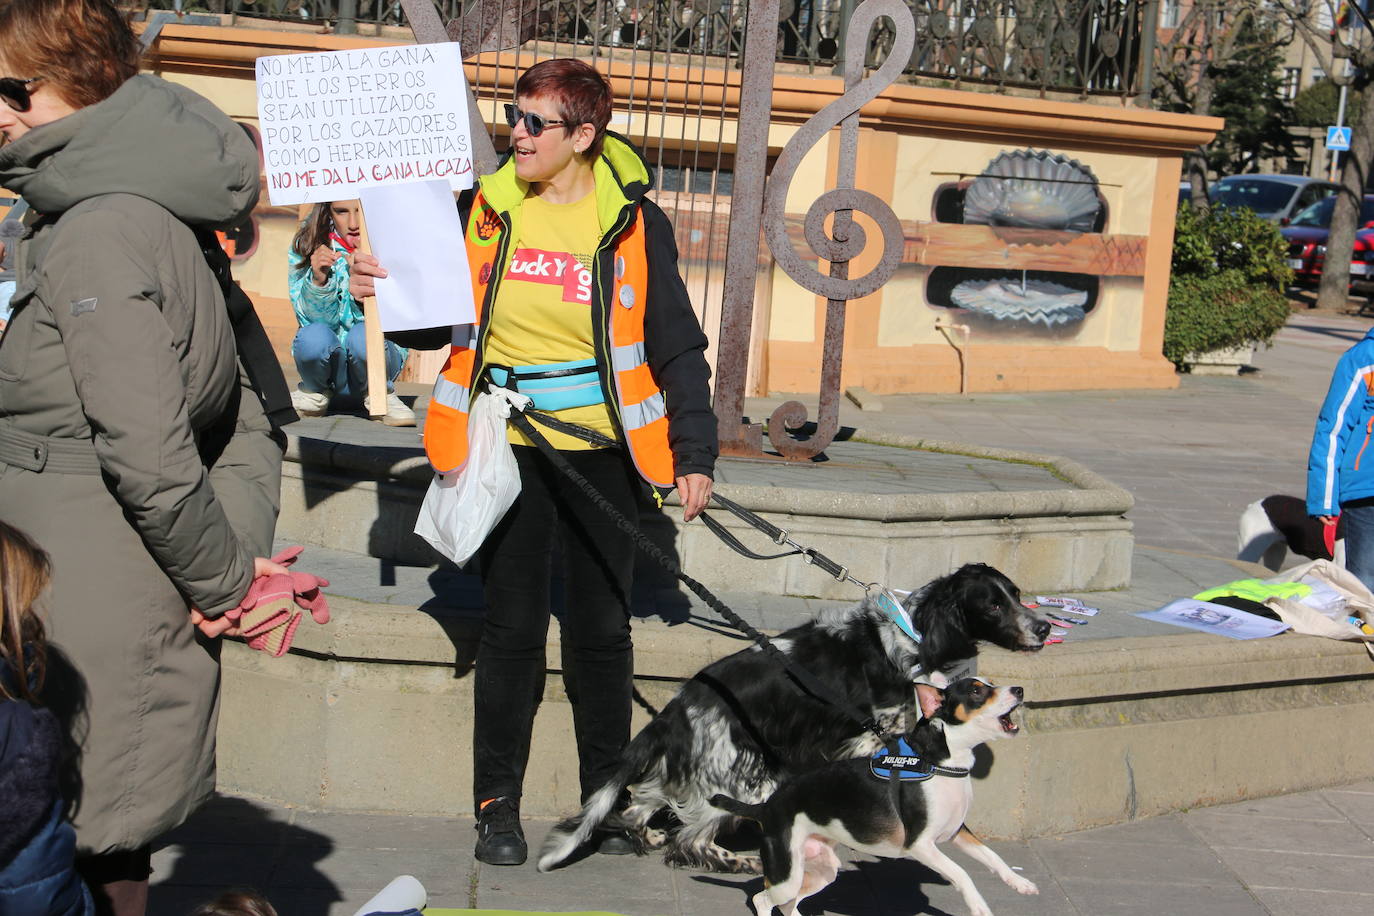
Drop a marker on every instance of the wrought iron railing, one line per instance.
(1078, 46)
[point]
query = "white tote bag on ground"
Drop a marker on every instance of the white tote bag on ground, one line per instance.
(460, 509)
(1359, 602)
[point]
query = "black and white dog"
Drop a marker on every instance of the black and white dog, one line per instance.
(742, 725)
(856, 802)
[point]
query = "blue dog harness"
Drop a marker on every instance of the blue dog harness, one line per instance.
(908, 766)
(553, 386)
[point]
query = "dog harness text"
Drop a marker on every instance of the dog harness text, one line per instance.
(908, 766)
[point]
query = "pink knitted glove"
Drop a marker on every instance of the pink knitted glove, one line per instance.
(277, 640)
(310, 595)
(272, 604)
(288, 556)
(268, 615)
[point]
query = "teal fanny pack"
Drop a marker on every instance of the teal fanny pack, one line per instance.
(552, 386)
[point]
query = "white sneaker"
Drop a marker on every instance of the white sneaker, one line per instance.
(310, 403)
(397, 413)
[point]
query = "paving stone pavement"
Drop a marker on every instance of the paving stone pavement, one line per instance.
(1306, 854)
(1193, 458)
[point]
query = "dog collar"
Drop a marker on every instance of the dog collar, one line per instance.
(889, 604)
(908, 766)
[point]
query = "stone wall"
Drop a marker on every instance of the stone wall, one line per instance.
(373, 713)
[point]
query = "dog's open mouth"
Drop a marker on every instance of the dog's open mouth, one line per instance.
(1009, 726)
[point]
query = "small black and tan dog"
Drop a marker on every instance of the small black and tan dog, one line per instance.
(855, 802)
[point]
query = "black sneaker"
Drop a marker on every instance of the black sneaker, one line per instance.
(613, 843)
(500, 841)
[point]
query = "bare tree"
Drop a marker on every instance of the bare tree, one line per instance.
(1334, 43)
(1211, 38)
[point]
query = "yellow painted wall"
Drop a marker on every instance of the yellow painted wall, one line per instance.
(792, 316)
(923, 164)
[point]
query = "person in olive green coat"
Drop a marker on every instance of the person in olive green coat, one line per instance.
(132, 447)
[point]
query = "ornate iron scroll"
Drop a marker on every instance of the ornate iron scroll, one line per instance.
(845, 242)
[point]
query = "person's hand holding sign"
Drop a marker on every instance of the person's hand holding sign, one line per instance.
(322, 264)
(362, 272)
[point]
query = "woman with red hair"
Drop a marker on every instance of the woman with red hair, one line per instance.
(580, 306)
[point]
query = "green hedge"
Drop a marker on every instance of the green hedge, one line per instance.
(1226, 288)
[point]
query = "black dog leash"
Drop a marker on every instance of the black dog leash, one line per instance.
(779, 536)
(804, 679)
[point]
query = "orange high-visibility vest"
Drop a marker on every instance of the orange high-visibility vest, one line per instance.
(639, 409)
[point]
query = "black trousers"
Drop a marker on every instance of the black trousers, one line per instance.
(598, 658)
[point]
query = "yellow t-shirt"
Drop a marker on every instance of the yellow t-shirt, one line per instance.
(542, 313)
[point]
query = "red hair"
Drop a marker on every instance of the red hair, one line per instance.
(582, 94)
(84, 48)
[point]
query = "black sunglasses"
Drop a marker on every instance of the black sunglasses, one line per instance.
(16, 93)
(534, 124)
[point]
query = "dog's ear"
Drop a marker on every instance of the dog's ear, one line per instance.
(929, 697)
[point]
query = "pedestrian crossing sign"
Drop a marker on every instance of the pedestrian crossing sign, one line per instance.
(1338, 139)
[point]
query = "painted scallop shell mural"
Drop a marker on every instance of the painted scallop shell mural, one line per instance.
(1030, 189)
(1035, 301)
(1034, 189)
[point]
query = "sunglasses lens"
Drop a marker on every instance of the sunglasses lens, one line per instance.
(534, 124)
(15, 93)
(512, 115)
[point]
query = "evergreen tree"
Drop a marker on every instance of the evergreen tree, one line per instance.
(1248, 95)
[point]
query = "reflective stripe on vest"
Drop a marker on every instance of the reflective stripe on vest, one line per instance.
(642, 409)
(446, 423)
(643, 413)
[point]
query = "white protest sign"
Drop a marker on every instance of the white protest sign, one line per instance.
(418, 238)
(338, 121)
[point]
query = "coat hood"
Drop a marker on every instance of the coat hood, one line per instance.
(152, 138)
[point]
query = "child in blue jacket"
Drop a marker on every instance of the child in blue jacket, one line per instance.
(330, 348)
(1340, 468)
(37, 844)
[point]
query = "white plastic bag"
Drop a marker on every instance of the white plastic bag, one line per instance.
(460, 509)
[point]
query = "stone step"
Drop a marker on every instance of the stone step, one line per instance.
(891, 509)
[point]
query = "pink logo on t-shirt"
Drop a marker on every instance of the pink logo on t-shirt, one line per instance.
(556, 267)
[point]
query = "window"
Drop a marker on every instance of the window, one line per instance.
(1311, 194)
(702, 180)
(1288, 89)
(1169, 14)
(1265, 196)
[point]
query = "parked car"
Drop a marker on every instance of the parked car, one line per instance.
(1306, 236)
(1274, 197)
(1362, 263)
